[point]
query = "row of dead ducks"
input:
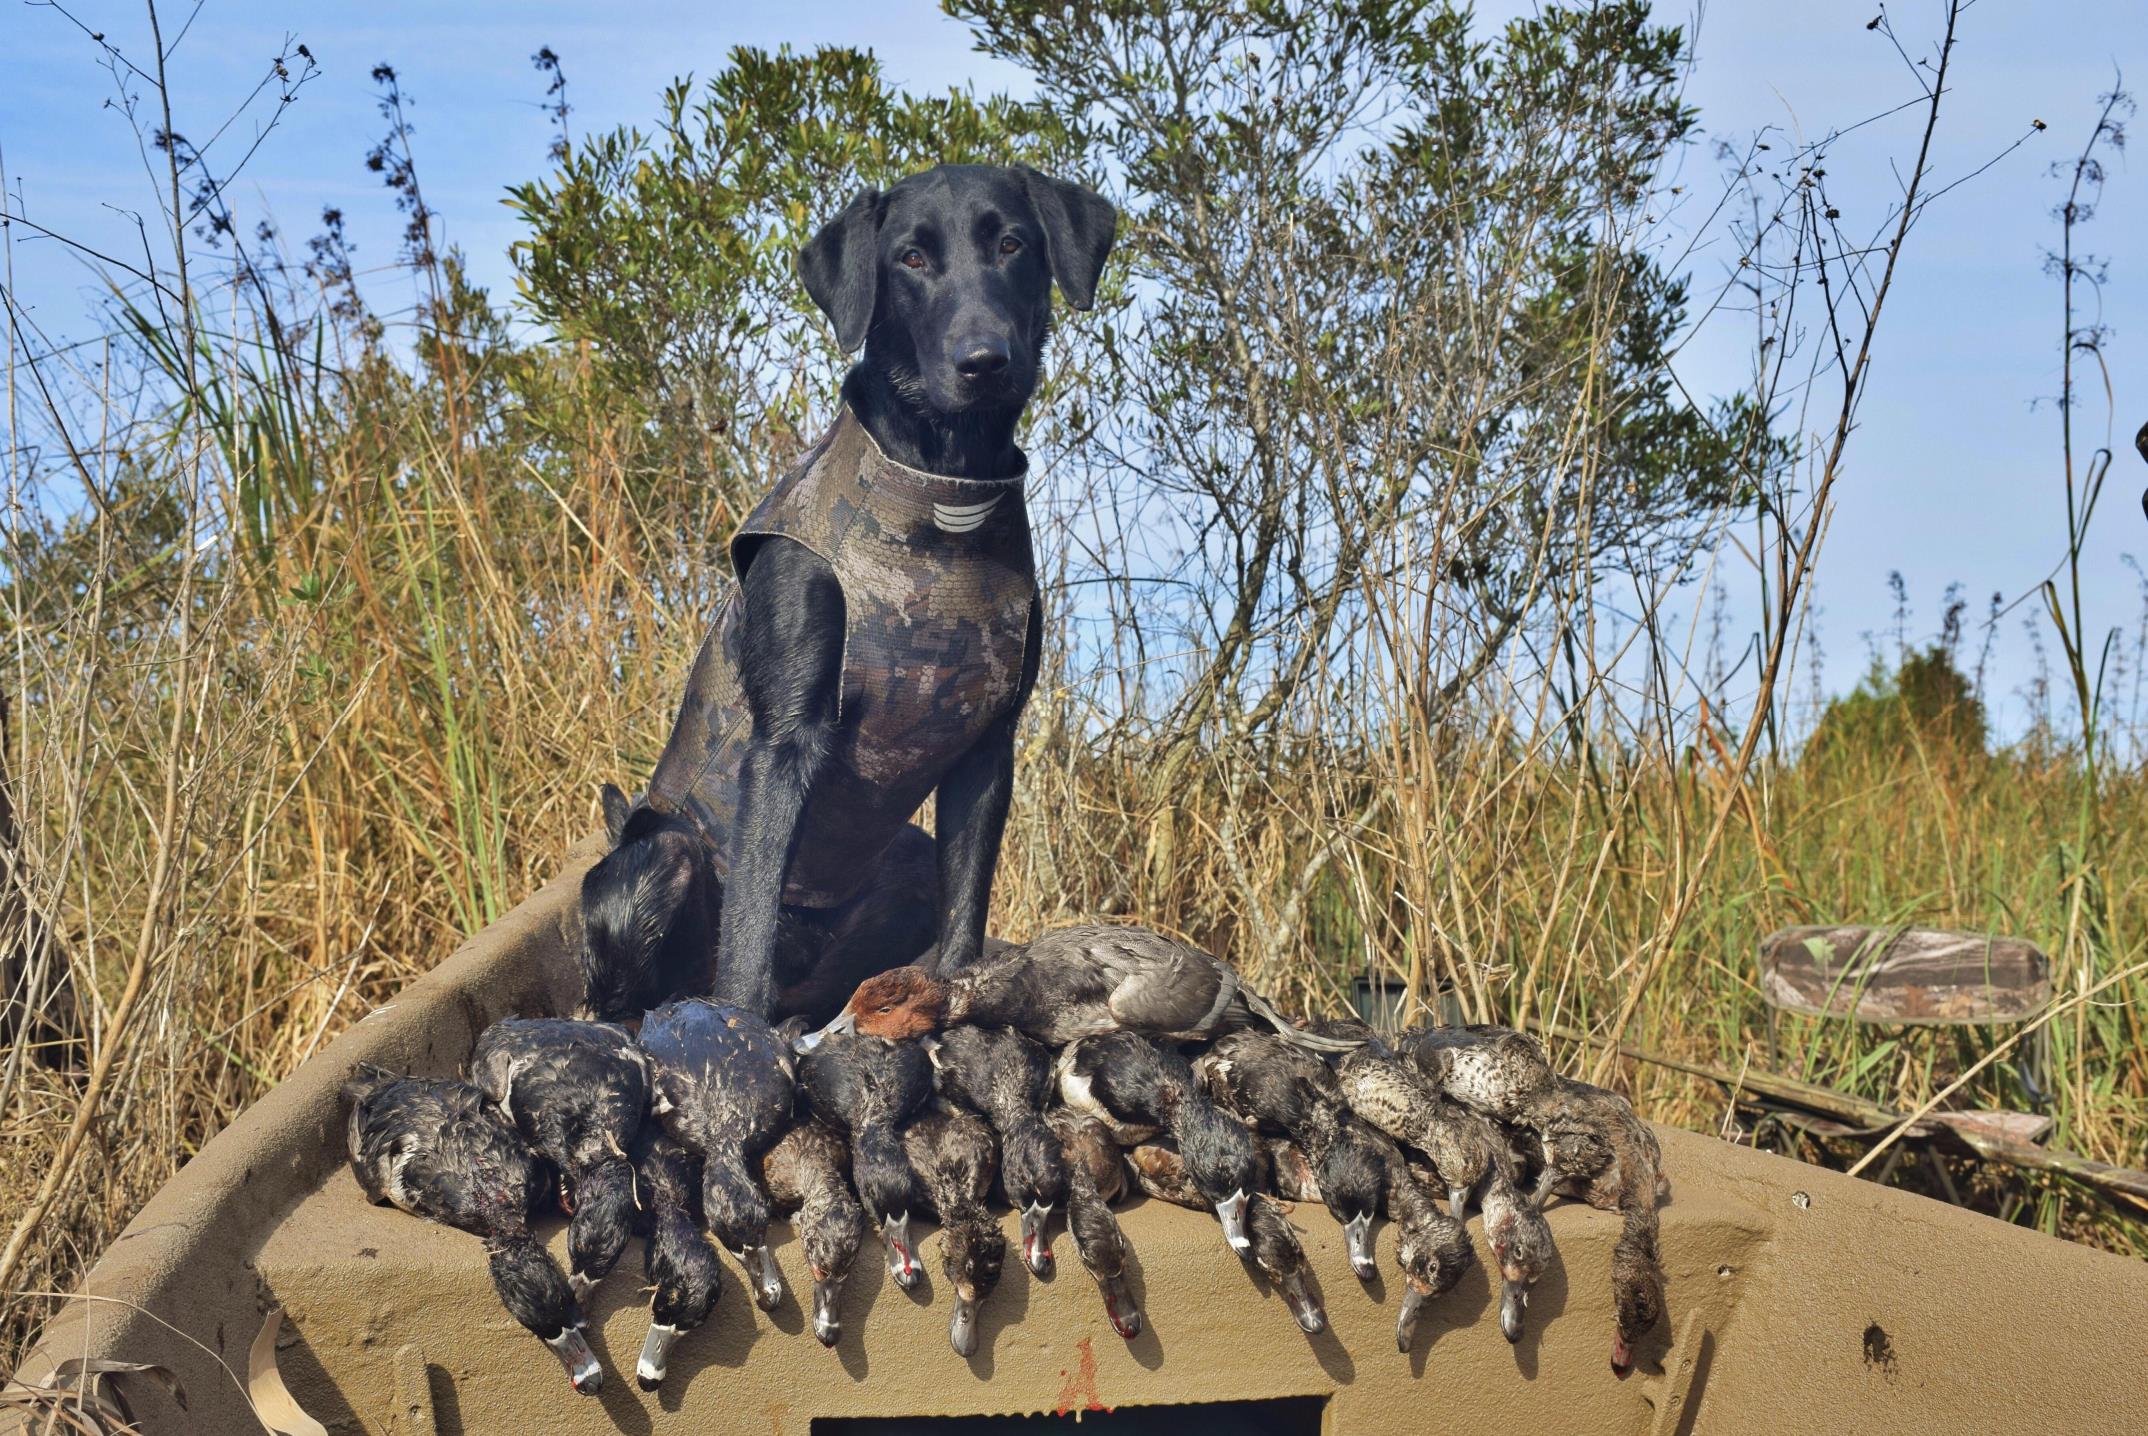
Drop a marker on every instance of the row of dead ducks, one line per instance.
(710, 1120)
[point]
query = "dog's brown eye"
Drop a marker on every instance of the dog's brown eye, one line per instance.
(1010, 245)
(911, 259)
(887, 1007)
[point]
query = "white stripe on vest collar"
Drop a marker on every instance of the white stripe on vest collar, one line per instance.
(963, 518)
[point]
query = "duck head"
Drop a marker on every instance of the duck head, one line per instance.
(604, 1208)
(1351, 1182)
(1281, 1258)
(1104, 1252)
(888, 1187)
(738, 1218)
(1221, 1160)
(1636, 1299)
(972, 1254)
(1522, 1248)
(1433, 1254)
(831, 1232)
(537, 1295)
(1035, 1173)
(682, 1266)
(899, 1003)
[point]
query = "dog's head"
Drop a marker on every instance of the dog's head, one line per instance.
(949, 275)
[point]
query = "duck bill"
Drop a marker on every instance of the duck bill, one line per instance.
(1413, 1306)
(1304, 1306)
(582, 1285)
(655, 1355)
(1231, 1211)
(902, 1256)
(962, 1326)
(572, 1349)
(1621, 1356)
(845, 1021)
(1513, 1301)
(827, 1310)
(766, 1277)
(1357, 1236)
(1120, 1306)
(1037, 1241)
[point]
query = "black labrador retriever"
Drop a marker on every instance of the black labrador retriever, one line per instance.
(882, 638)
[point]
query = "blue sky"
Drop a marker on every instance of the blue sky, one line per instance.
(1953, 476)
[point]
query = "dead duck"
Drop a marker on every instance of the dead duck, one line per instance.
(439, 1150)
(723, 1091)
(1431, 1247)
(1591, 1144)
(677, 1260)
(1073, 983)
(956, 1159)
(1290, 1171)
(805, 1174)
(1394, 1096)
(1636, 1292)
(1139, 1089)
(1162, 1171)
(1281, 1257)
(1596, 1148)
(1007, 1078)
(578, 1093)
(1276, 1088)
(1493, 1070)
(1096, 1177)
(867, 1087)
(1521, 1242)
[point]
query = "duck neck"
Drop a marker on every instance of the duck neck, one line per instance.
(885, 1181)
(671, 1231)
(737, 1213)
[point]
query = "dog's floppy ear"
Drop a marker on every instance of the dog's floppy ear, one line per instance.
(841, 268)
(616, 808)
(1078, 229)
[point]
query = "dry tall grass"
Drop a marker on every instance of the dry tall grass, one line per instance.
(307, 680)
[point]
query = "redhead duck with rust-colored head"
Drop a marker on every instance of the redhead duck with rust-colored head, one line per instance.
(1074, 983)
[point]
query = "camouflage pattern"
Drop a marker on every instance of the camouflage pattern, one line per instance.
(938, 581)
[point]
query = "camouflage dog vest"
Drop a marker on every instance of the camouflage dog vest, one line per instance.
(937, 582)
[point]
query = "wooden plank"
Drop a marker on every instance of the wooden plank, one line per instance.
(2006, 1126)
(1912, 975)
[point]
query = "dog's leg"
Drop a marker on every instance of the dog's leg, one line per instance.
(971, 818)
(791, 671)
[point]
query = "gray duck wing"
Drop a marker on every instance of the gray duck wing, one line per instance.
(1157, 985)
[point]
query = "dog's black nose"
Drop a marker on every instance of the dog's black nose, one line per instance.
(982, 358)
